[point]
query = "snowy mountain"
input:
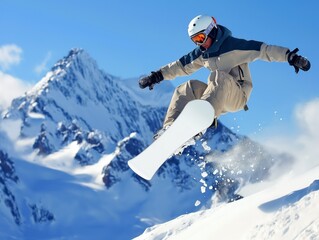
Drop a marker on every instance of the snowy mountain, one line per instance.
(64, 151)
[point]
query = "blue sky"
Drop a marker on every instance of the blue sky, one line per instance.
(131, 38)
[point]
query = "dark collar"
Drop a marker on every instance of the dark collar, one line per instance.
(218, 38)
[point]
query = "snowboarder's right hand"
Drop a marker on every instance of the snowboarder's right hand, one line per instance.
(297, 61)
(150, 80)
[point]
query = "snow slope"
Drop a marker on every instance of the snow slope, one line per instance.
(287, 210)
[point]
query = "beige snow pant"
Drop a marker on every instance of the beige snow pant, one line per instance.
(224, 93)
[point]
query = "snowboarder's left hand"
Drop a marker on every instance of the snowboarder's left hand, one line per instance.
(297, 61)
(151, 80)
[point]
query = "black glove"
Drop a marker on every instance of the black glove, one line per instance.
(298, 62)
(149, 81)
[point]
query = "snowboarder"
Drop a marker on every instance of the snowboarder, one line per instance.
(229, 83)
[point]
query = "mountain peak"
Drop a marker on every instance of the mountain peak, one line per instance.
(75, 51)
(77, 60)
(73, 55)
(75, 89)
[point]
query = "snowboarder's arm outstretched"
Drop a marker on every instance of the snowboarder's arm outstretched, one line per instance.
(186, 65)
(243, 51)
(231, 53)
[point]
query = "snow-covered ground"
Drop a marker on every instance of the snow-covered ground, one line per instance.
(287, 210)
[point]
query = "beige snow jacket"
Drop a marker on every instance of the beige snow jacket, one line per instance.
(227, 54)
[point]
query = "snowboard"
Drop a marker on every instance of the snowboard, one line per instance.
(196, 117)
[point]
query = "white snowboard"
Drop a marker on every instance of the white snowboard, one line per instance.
(196, 117)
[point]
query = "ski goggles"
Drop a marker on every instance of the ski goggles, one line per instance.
(201, 37)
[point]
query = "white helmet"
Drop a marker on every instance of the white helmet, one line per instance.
(201, 23)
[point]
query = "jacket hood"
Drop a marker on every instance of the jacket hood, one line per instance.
(222, 34)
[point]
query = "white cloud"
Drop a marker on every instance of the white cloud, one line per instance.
(11, 88)
(43, 65)
(308, 141)
(308, 118)
(9, 55)
(303, 144)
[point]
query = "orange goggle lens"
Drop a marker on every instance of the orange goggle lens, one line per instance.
(199, 38)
